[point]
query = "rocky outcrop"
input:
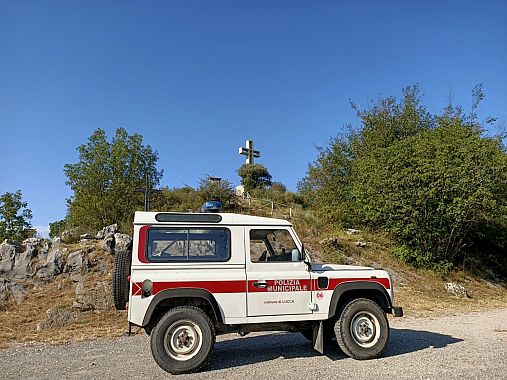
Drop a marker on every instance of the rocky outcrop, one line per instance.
(56, 318)
(77, 264)
(52, 267)
(107, 244)
(456, 290)
(11, 290)
(107, 231)
(16, 259)
(122, 243)
(7, 255)
(96, 297)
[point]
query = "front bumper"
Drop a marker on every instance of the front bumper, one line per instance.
(397, 311)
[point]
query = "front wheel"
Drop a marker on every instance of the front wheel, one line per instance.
(182, 340)
(362, 330)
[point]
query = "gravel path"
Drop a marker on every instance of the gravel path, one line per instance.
(469, 346)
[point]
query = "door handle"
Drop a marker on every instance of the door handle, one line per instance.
(260, 284)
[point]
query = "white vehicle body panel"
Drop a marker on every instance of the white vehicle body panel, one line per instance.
(291, 294)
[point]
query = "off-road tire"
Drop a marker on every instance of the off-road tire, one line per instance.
(366, 313)
(121, 272)
(165, 331)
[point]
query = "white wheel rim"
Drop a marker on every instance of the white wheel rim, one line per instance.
(365, 329)
(183, 340)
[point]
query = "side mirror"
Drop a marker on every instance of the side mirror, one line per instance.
(306, 259)
(296, 255)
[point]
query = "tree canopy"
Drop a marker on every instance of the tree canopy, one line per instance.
(254, 176)
(433, 182)
(105, 178)
(15, 217)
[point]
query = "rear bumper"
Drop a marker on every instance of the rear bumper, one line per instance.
(397, 311)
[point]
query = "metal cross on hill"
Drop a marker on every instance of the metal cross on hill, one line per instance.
(249, 152)
(147, 190)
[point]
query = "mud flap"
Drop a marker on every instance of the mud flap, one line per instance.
(318, 337)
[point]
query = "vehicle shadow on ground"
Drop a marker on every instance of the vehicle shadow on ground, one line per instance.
(404, 341)
(250, 350)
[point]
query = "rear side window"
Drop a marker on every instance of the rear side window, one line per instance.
(188, 245)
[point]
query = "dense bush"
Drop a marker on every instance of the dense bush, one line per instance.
(433, 182)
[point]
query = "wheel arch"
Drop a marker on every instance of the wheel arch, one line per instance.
(181, 296)
(359, 289)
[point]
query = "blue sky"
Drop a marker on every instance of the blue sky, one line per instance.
(197, 78)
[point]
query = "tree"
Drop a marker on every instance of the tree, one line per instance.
(56, 228)
(254, 176)
(14, 217)
(432, 182)
(105, 177)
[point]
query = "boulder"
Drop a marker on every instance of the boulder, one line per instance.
(85, 237)
(108, 244)
(11, 290)
(33, 241)
(106, 231)
(361, 244)
(456, 290)
(97, 297)
(23, 268)
(351, 231)
(56, 318)
(77, 263)
(52, 267)
(122, 243)
(7, 256)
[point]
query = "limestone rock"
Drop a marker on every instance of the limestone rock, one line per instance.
(456, 290)
(108, 244)
(361, 244)
(85, 237)
(97, 297)
(52, 267)
(351, 231)
(11, 290)
(56, 318)
(122, 243)
(32, 241)
(7, 256)
(77, 263)
(106, 231)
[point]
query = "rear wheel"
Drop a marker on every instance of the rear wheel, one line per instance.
(182, 340)
(362, 330)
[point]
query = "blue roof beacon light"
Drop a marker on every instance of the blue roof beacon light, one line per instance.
(211, 206)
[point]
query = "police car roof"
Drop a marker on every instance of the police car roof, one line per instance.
(144, 217)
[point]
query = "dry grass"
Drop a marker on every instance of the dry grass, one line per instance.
(19, 321)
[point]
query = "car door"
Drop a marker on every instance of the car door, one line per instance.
(278, 281)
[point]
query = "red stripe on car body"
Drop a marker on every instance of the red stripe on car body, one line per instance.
(241, 286)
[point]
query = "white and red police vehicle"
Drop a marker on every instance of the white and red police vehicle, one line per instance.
(192, 276)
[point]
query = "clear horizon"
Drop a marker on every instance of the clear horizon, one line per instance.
(197, 79)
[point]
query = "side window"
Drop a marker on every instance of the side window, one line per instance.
(272, 245)
(169, 245)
